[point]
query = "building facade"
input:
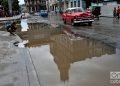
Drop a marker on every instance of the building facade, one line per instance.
(77, 3)
(61, 5)
(35, 5)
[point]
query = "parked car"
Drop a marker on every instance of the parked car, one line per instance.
(44, 13)
(77, 15)
(36, 14)
(96, 11)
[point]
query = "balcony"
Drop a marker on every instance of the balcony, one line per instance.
(30, 3)
(35, 3)
(27, 3)
(38, 2)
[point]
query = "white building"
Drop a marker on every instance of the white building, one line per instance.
(72, 3)
(77, 3)
(63, 4)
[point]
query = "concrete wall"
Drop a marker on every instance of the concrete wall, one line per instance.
(107, 10)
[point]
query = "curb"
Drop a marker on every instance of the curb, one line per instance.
(31, 71)
(107, 16)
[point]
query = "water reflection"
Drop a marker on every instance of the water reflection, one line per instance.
(39, 33)
(24, 25)
(67, 51)
(63, 60)
(115, 21)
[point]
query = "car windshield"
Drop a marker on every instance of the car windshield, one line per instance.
(43, 11)
(76, 10)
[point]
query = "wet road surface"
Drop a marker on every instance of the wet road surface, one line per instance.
(76, 67)
(106, 30)
(65, 60)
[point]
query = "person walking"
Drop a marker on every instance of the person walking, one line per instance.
(118, 12)
(114, 12)
(96, 12)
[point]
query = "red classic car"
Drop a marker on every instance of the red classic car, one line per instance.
(77, 15)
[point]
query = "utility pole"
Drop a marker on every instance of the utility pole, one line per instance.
(10, 6)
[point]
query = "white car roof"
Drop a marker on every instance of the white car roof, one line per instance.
(74, 8)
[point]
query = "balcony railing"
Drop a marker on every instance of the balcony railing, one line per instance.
(38, 2)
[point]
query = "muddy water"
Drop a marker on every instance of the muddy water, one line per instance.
(62, 60)
(38, 34)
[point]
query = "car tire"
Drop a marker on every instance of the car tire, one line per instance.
(72, 23)
(64, 21)
(90, 24)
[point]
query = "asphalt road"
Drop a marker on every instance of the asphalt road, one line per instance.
(85, 56)
(63, 61)
(107, 28)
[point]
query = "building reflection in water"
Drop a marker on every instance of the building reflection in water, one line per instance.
(67, 51)
(39, 33)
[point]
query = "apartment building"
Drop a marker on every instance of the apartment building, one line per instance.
(77, 3)
(35, 5)
(63, 4)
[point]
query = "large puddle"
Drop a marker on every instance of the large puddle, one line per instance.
(64, 60)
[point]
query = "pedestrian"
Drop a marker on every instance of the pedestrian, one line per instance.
(11, 28)
(96, 12)
(114, 12)
(118, 12)
(88, 10)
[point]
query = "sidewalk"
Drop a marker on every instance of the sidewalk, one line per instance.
(10, 18)
(16, 68)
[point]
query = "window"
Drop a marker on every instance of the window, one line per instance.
(74, 3)
(71, 4)
(78, 3)
(76, 10)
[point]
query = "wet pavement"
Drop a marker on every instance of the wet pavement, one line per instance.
(106, 30)
(12, 66)
(75, 62)
(16, 68)
(62, 57)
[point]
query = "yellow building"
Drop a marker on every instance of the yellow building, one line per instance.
(35, 5)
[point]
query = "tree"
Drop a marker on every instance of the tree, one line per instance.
(4, 3)
(15, 5)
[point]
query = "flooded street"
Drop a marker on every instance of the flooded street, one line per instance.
(74, 66)
(65, 60)
(59, 43)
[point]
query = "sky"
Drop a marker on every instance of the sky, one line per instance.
(21, 2)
